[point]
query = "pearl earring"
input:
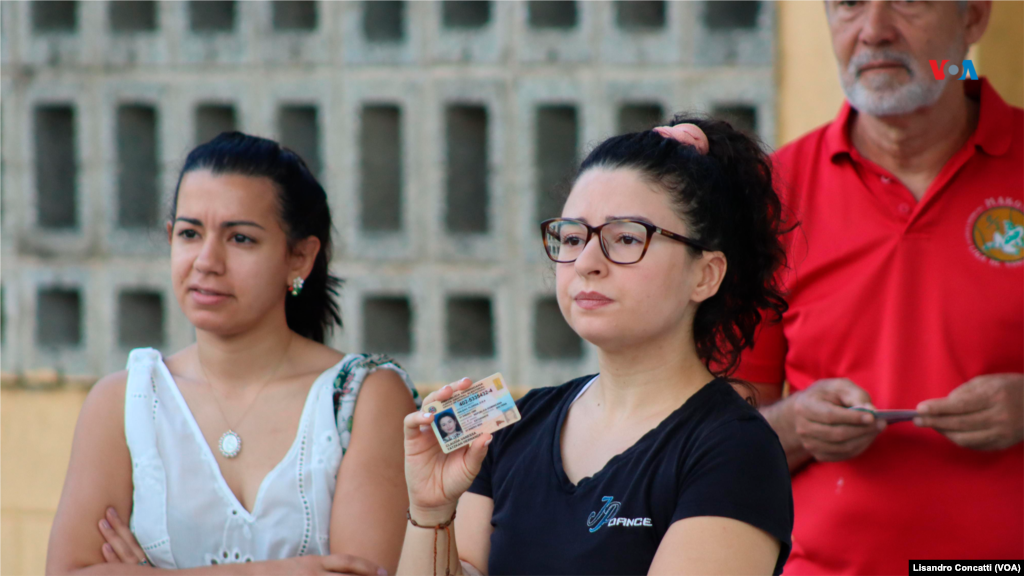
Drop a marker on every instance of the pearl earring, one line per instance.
(297, 285)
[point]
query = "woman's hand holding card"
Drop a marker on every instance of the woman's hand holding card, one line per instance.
(436, 480)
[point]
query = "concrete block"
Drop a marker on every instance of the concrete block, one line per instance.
(212, 33)
(132, 17)
(492, 283)
(72, 230)
(140, 299)
(48, 38)
(382, 32)
(394, 281)
(310, 92)
(70, 306)
(469, 32)
(737, 87)
(564, 40)
(640, 91)
(636, 40)
(413, 238)
(455, 244)
(132, 43)
(297, 33)
(9, 33)
(244, 95)
(133, 237)
(12, 342)
(734, 41)
(12, 159)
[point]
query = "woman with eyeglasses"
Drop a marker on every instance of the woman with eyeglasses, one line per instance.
(257, 449)
(667, 249)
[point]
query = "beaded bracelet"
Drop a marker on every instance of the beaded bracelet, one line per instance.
(446, 526)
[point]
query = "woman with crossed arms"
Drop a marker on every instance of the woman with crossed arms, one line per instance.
(246, 452)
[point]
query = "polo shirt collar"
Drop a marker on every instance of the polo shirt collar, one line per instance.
(993, 134)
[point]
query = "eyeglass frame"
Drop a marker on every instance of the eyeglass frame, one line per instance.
(592, 230)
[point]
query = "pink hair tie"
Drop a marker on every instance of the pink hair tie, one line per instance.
(687, 134)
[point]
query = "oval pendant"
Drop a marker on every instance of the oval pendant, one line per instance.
(230, 444)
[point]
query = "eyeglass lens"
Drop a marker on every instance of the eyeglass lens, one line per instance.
(623, 241)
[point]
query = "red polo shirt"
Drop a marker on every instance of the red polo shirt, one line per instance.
(908, 300)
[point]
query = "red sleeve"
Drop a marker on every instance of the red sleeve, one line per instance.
(765, 363)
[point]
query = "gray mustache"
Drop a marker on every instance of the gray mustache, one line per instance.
(864, 58)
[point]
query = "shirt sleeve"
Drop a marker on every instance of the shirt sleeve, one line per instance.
(765, 363)
(739, 471)
(482, 483)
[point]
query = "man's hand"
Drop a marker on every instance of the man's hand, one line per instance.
(985, 413)
(826, 427)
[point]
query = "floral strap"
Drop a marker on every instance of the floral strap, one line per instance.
(348, 383)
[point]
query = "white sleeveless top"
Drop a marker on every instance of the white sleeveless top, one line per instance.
(184, 514)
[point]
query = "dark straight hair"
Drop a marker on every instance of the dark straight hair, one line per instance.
(303, 212)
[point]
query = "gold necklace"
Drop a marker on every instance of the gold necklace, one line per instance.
(230, 443)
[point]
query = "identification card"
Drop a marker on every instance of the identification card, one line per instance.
(890, 416)
(483, 408)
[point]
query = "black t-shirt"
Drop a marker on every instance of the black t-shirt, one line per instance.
(713, 456)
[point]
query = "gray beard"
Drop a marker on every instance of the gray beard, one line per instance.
(893, 100)
(881, 96)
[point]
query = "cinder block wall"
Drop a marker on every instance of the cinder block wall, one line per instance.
(442, 133)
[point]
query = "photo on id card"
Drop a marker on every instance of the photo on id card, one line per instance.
(483, 408)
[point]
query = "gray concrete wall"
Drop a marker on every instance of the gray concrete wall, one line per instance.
(116, 74)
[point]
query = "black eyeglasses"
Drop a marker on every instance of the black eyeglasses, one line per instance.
(622, 241)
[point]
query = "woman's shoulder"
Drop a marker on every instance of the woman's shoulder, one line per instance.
(352, 367)
(110, 389)
(719, 401)
(318, 357)
(717, 422)
(104, 405)
(730, 423)
(178, 362)
(551, 396)
(743, 429)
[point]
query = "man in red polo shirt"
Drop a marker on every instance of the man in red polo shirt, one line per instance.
(906, 292)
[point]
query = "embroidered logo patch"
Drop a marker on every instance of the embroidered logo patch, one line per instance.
(606, 516)
(995, 232)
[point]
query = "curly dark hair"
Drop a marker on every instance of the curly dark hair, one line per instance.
(729, 204)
